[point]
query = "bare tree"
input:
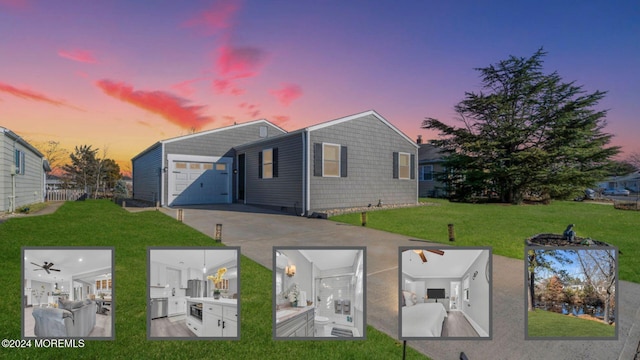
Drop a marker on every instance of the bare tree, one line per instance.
(634, 159)
(53, 152)
(599, 267)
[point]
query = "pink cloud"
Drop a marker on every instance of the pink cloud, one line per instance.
(280, 119)
(222, 86)
(84, 56)
(32, 95)
(216, 18)
(15, 4)
(184, 88)
(239, 62)
(287, 93)
(172, 108)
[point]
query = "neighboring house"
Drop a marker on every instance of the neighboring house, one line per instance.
(348, 162)
(22, 172)
(429, 166)
(630, 182)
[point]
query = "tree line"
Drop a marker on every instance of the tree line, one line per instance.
(85, 168)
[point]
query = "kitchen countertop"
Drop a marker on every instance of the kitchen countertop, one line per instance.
(211, 300)
(290, 312)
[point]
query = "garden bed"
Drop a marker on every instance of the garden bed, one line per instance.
(559, 240)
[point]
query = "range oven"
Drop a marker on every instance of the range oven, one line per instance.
(195, 310)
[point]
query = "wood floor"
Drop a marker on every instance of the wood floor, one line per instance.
(169, 328)
(456, 325)
(101, 329)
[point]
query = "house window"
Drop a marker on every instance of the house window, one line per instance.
(268, 163)
(19, 162)
(426, 173)
(330, 160)
(403, 166)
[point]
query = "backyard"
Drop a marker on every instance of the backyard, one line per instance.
(549, 324)
(101, 223)
(505, 227)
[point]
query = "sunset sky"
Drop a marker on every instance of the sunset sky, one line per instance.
(122, 75)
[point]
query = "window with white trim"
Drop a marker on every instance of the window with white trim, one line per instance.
(19, 161)
(404, 165)
(330, 160)
(267, 164)
(426, 173)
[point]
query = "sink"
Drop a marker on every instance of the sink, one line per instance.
(282, 313)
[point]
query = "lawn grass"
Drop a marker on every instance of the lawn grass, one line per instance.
(505, 227)
(549, 324)
(101, 223)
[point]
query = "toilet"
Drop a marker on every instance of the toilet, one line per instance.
(319, 323)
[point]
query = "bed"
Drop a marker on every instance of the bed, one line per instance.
(423, 320)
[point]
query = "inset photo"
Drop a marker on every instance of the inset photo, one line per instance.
(193, 293)
(571, 293)
(319, 293)
(445, 293)
(68, 292)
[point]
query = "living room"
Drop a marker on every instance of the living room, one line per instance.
(68, 292)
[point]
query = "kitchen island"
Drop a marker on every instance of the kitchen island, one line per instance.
(209, 317)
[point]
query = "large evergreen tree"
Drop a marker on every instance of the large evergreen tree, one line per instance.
(525, 132)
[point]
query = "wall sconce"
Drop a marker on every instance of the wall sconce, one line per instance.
(475, 274)
(290, 270)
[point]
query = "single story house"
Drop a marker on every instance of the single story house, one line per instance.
(22, 172)
(630, 182)
(348, 162)
(430, 164)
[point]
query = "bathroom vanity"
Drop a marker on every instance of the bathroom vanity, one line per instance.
(295, 322)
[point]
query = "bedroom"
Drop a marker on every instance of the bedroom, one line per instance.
(445, 293)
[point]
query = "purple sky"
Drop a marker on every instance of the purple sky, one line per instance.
(122, 75)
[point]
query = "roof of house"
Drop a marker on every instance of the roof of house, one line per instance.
(331, 123)
(207, 132)
(13, 136)
(428, 153)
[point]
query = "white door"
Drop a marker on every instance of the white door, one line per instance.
(199, 180)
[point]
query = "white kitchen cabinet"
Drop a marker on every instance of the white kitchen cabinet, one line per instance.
(177, 306)
(220, 320)
(158, 274)
(184, 277)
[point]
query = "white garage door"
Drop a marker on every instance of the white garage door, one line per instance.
(199, 180)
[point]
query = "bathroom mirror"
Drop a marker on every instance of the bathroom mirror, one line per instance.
(281, 260)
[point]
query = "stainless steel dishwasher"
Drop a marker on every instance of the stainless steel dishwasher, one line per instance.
(159, 307)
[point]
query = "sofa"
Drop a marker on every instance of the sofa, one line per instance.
(69, 319)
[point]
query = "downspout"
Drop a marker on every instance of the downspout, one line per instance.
(162, 175)
(308, 182)
(304, 178)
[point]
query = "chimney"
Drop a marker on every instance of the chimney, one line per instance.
(419, 140)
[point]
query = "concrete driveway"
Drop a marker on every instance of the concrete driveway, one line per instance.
(256, 231)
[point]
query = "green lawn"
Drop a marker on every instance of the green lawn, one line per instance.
(549, 324)
(505, 227)
(101, 223)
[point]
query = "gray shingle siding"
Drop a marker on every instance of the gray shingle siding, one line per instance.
(370, 144)
(29, 186)
(218, 143)
(285, 190)
(148, 170)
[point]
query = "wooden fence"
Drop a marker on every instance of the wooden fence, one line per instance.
(64, 195)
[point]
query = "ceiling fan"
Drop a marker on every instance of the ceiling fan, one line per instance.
(423, 257)
(46, 267)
